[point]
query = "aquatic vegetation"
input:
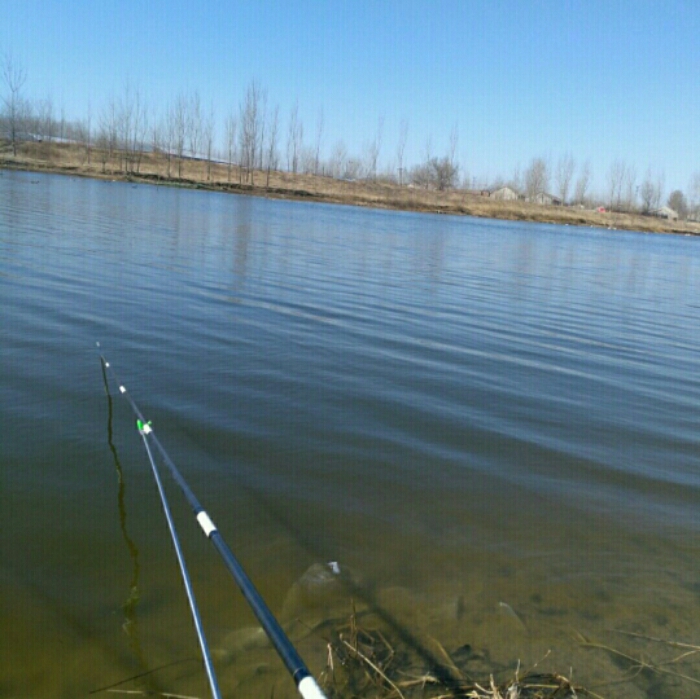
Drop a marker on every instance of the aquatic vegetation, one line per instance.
(362, 662)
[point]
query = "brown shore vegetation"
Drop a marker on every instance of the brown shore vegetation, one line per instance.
(362, 661)
(153, 168)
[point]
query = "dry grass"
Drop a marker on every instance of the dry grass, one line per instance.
(153, 168)
(654, 656)
(363, 663)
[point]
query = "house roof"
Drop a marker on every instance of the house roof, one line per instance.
(665, 211)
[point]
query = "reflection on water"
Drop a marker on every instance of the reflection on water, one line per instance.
(130, 624)
(491, 426)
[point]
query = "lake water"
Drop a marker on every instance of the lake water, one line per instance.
(492, 427)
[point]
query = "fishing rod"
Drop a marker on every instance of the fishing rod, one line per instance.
(144, 429)
(304, 681)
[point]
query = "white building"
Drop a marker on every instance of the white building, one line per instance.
(505, 194)
(545, 199)
(665, 212)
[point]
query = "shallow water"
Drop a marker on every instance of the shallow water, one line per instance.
(492, 426)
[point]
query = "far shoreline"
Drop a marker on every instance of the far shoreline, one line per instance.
(149, 168)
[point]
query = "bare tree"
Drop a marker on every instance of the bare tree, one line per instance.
(16, 107)
(82, 135)
(454, 142)
(262, 123)
(660, 187)
(140, 129)
(563, 175)
(132, 127)
(45, 122)
(306, 160)
(319, 138)
(616, 177)
(582, 183)
(88, 131)
(102, 143)
(109, 133)
(62, 124)
(445, 173)
(250, 115)
(231, 125)
(630, 188)
(646, 192)
(421, 176)
(536, 178)
(374, 148)
(694, 195)
(179, 129)
(401, 147)
(516, 180)
(208, 135)
(650, 192)
(677, 202)
(156, 141)
(272, 144)
(339, 157)
(428, 148)
(437, 173)
(169, 139)
(194, 125)
(353, 169)
(295, 139)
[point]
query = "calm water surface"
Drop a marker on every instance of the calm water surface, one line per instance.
(491, 426)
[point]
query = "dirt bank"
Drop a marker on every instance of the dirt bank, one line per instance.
(159, 169)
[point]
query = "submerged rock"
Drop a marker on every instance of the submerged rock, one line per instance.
(241, 640)
(316, 598)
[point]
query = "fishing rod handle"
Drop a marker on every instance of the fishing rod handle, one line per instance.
(309, 689)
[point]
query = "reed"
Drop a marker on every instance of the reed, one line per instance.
(362, 662)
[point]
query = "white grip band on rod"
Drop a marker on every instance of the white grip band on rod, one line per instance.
(309, 689)
(205, 522)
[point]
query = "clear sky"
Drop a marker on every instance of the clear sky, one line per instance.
(602, 79)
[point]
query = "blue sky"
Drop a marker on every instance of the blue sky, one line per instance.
(602, 80)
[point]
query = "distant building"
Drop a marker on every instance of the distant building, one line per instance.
(545, 199)
(505, 194)
(665, 212)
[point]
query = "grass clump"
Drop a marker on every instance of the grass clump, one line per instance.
(362, 662)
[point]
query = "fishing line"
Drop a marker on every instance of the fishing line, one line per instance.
(130, 625)
(306, 684)
(144, 429)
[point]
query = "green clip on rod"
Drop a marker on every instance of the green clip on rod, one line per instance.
(305, 683)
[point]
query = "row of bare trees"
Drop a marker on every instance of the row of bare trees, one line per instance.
(625, 191)
(540, 179)
(16, 108)
(127, 128)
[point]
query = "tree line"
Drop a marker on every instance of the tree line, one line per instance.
(251, 141)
